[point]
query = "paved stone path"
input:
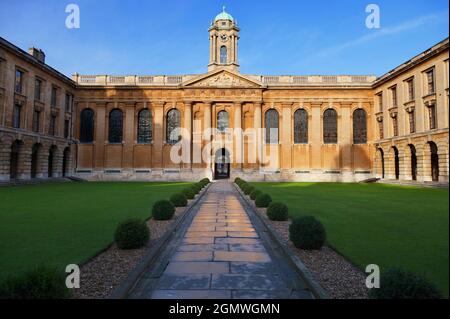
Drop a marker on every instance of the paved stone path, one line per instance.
(221, 256)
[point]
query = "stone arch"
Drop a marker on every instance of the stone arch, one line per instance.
(222, 160)
(412, 163)
(15, 159)
(51, 168)
(35, 164)
(380, 163)
(395, 162)
(66, 162)
(434, 161)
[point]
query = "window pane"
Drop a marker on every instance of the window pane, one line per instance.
(271, 125)
(115, 126)
(223, 55)
(222, 121)
(173, 123)
(330, 127)
(300, 127)
(145, 126)
(359, 127)
(87, 126)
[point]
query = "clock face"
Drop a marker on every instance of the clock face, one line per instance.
(224, 38)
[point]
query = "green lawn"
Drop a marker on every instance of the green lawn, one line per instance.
(377, 223)
(59, 224)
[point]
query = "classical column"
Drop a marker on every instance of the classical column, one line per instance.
(187, 135)
(345, 137)
(158, 140)
(100, 137)
(257, 125)
(285, 128)
(129, 135)
(238, 157)
(207, 126)
(316, 136)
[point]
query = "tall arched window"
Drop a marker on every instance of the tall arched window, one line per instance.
(222, 121)
(223, 55)
(87, 126)
(144, 126)
(301, 127)
(271, 125)
(173, 120)
(359, 127)
(115, 126)
(330, 127)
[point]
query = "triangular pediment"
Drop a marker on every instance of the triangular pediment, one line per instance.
(222, 78)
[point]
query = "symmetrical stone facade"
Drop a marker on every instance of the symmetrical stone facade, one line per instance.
(201, 100)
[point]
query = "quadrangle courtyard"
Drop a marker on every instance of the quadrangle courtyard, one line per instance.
(62, 223)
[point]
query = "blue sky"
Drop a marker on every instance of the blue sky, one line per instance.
(277, 37)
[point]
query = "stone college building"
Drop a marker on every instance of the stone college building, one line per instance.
(290, 128)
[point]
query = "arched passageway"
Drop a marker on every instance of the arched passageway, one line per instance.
(434, 162)
(14, 160)
(413, 159)
(396, 163)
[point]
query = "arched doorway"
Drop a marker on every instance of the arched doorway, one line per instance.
(380, 151)
(65, 161)
(434, 162)
(222, 164)
(51, 158)
(413, 162)
(396, 163)
(14, 160)
(34, 160)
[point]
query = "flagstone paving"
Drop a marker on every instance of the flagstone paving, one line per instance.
(222, 256)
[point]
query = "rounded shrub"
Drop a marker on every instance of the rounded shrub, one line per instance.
(40, 283)
(163, 210)
(254, 193)
(307, 233)
(179, 200)
(188, 192)
(399, 283)
(205, 181)
(248, 189)
(131, 234)
(277, 212)
(196, 188)
(263, 200)
(244, 186)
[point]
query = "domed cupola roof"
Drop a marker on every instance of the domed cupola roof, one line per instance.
(224, 16)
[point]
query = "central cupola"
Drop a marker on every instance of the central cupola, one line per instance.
(223, 43)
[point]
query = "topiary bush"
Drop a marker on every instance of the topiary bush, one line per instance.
(307, 233)
(163, 210)
(263, 200)
(399, 283)
(179, 200)
(254, 193)
(131, 234)
(248, 189)
(244, 187)
(40, 283)
(205, 181)
(188, 192)
(196, 188)
(277, 212)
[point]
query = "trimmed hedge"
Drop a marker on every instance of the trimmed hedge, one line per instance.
(188, 192)
(163, 210)
(131, 234)
(399, 283)
(179, 200)
(277, 212)
(40, 283)
(307, 233)
(248, 189)
(196, 188)
(263, 200)
(255, 193)
(205, 181)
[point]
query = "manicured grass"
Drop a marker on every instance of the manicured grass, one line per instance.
(376, 223)
(59, 224)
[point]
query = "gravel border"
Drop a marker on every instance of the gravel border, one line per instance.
(101, 275)
(339, 277)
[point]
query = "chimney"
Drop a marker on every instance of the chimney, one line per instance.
(37, 53)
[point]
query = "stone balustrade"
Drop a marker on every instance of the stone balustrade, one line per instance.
(176, 80)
